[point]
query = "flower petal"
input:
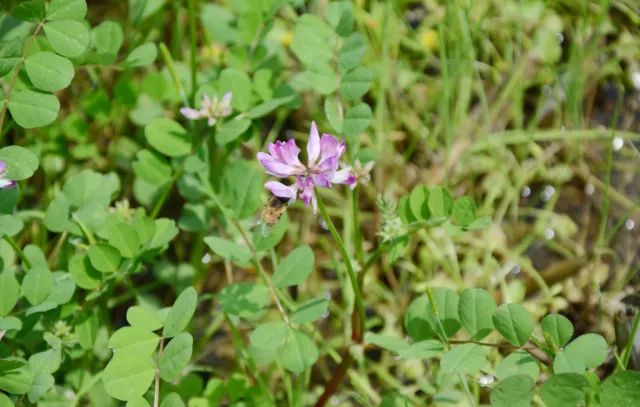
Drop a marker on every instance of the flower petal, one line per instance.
(6, 183)
(275, 167)
(282, 191)
(212, 121)
(189, 113)
(307, 192)
(313, 145)
(287, 153)
(226, 99)
(344, 176)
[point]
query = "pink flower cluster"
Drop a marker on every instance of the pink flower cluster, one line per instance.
(323, 167)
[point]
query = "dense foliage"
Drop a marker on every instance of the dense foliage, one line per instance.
(280, 202)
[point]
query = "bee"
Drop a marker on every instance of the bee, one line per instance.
(273, 210)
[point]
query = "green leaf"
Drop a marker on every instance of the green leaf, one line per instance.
(10, 225)
(87, 329)
(590, 348)
(334, 112)
(298, 353)
(229, 250)
(416, 320)
(5, 401)
(388, 342)
(422, 350)
(10, 54)
(165, 231)
(515, 391)
(231, 130)
(83, 273)
(321, 78)
(295, 268)
(566, 363)
(468, 358)
(621, 389)
(565, 389)
(475, 309)
(104, 258)
(518, 363)
(168, 137)
(10, 324)
(15, 376)
(464, 211)
(557, 329)
(267, 107)
(143, 318)
(142, 55)
(37, 284)
(32, 10)
(108, 38)
(9, 292)
(66, 9)
(242, 186)
(310, 311)
(176, 356)
(33, 109)
(42, 382)
(173, 400)
(355, 83)
(124, 238)
(514, 323)
(418, 203)
(133, 341)
(270, 335)
(128, 377)
(152, 168)
(265, 238)
(245, 300)
(357, 119)
(21, 163)
(47, 361)
(440, 202)
(312, 40)
(352, 52)
(69, 38)
(180, 313)
(239, 84)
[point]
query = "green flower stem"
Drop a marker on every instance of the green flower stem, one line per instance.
(358, 318)
(191, 11)
(357, 231)
(261, 271)
(17, 250)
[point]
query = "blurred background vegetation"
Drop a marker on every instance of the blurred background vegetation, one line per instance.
(529, 106)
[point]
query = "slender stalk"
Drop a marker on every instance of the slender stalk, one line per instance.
(17, 250)
(156, 391)
(191, 11)
(626, 354)
(332, 386)
(358, 317)
(357, 231)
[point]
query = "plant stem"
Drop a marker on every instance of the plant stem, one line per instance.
(626, 354)
(357, 231)
(358, 317)
(332, 386)
(17, 250)
(191, 11)
(156, 391)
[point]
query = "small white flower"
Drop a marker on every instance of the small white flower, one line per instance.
(210, 109)
(485, 380)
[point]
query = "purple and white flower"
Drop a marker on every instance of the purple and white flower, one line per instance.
(4, 182)
(322, 168)
(210, 109)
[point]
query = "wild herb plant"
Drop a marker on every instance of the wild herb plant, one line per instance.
(166, 242)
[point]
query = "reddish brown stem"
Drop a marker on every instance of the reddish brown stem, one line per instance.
(332, 385)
